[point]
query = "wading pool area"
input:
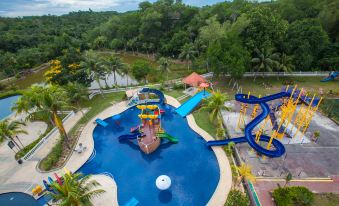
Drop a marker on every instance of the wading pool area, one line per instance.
(191, 165)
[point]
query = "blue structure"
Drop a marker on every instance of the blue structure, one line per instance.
(190, 104)
(157, 92)
(331, 77)
(130, 136)
(101, 122)
(132, 202)
(249, 137)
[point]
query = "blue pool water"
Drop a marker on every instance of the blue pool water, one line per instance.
(191, 165)
(17, 199)
(6, 104)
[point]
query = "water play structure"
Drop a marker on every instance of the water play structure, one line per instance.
(149, 132)
(332, 76)
(290, 97)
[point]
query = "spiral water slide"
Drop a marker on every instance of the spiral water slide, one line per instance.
(249, 137)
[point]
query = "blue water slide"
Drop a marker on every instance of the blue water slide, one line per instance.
(249, 137)
(190, 104)
(130, 136)
(157, 92)
(331, 77)
(101, 122)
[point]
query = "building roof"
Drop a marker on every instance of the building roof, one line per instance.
(194, 79)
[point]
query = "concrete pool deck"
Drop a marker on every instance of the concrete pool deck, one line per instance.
(17, 179)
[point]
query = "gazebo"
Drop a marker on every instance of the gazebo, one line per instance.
(194, 80)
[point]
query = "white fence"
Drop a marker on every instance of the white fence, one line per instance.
(45, 139)
(285, 74)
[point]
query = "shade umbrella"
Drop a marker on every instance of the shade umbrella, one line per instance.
(163, 182)
(204, 85)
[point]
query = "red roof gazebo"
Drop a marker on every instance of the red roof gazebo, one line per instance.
(194, 80)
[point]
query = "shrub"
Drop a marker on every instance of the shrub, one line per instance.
(290, 196)
(53, 157)
(237, 198)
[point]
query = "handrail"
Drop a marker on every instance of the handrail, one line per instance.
(45, 139)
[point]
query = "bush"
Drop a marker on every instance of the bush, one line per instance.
(290, 196)
(53, 157)
(237, 198)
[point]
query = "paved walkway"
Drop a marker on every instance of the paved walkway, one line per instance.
(264, 187)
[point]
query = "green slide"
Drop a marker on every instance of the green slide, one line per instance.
(168, 137)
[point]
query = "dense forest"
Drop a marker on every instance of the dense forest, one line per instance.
(229, 37)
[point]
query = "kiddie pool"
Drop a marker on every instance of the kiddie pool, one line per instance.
(191, 165)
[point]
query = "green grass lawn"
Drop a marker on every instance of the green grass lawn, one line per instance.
(175, 93)
(326, 199)
(311, 84)
(202, 120)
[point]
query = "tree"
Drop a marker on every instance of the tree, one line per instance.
(264, 60)
(113, 65)
(76, 190)
(188, 53)
(76, 93)
(9, 130)
(237, 198)
(266, 28)
(285, 63)
(245, 173)
(220, 133)
(215, 104)
(93, 66)
(164, 65)
(126, 71)
(45, 102)
(140, 69)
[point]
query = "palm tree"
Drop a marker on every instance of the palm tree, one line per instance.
(11, 129)
(285, 63)
(229, 148)
(45, 101)
(76, 93)
(264, 60)
(164, 65)
(245, 173)
(113, 64)
(188, 53)
(93, 66)
(214, 104)
(220, 133)
(76, 190)
(126, 71)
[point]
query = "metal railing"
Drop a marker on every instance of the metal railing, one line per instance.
(45, 139)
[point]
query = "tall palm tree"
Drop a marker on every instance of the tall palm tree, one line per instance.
(93, 66)
(245, 173)
(126, 71)
(45, 101)
(164, 64)
(264, 60)
(76, 93)
(9, 130)
(214, 104)
(288, 178)
(76, 190)
(285, 63)
(113, 64)
(188, 53)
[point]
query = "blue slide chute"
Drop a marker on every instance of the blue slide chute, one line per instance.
(130, 136)
(331, 77)
(249, 137)
(157, 92)
(190, 104)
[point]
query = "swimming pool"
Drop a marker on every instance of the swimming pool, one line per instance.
(192, 167)
(17, 198)
(6, 104)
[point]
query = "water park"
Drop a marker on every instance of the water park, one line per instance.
(152, 142)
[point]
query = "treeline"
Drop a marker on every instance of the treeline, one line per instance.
(29, 41)
(229, 37)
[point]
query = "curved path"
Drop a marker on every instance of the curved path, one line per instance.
(249, 137)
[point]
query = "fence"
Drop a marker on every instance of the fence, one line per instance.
(45, 139)
(286, 74)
